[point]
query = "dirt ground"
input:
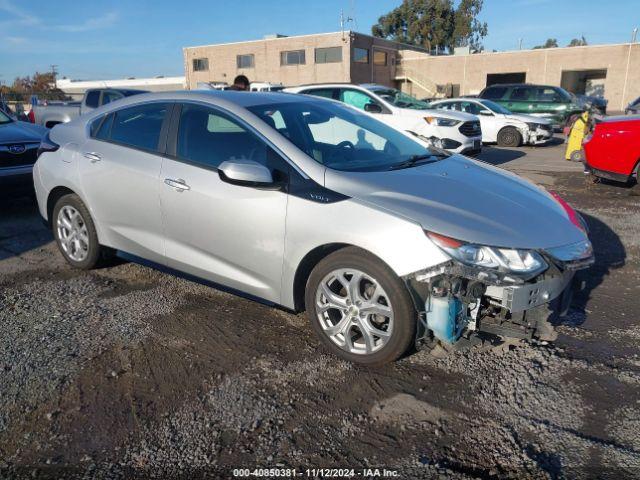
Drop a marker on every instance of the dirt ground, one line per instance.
(128, 372)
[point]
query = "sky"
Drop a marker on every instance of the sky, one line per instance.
(99, 39)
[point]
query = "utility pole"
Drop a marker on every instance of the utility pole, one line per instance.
(634, 34)
(520, 45)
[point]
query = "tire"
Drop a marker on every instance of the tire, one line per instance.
(76, 238)
(509, 137)
(366, 284)
(576, 156)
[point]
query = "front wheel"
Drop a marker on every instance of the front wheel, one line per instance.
(359, 308)
(509, 137)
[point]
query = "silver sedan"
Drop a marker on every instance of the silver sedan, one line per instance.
(308, 204)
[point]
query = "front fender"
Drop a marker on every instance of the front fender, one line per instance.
(398, 242)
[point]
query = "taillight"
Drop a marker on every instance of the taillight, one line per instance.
(47, 145)
(573, 216)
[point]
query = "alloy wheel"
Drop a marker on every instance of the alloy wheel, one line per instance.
(354, 311)
(72, 233)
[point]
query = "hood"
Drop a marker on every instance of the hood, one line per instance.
(21, 132)
(527, 118)
(467, 200)
(450, 114)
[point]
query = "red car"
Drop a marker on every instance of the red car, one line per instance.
(612, 150)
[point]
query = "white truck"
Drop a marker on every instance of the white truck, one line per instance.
(54, 113)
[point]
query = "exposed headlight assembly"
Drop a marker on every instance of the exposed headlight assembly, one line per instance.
(533, 126)
(524, 264)
(441, 122)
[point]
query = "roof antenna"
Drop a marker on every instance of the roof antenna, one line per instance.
(343, 21)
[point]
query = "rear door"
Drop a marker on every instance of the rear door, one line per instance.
(119, 169)
(229, 234)
(521, 99)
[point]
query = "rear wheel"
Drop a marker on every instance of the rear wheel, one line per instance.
(359, 308)
(75, 232)
(509, 137)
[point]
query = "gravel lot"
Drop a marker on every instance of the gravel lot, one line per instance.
(128, 372)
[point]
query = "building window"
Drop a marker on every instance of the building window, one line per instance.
(245, 61)
(380, 58)
(293, 57)
(329, 55)
(200, 64)
(361, 55)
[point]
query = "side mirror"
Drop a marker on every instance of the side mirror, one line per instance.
(246, 173)
(373, 108)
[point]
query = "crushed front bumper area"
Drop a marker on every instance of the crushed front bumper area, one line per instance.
(460, 304)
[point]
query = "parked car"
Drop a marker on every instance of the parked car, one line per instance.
(612, 149)
(19, 143)
(498, 124)
(633, 108)
(598, 104)
(51, 115)
(453, 131)
(265, 87)
(267, 194)
(553, 103)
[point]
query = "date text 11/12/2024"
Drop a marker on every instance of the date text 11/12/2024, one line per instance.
(315, 472)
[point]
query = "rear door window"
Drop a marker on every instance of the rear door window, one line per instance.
(139, 126)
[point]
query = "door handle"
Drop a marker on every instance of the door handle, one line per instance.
(93, 156)
(179, 184)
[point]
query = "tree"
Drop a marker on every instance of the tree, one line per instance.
(550, 43)
(41, 84)
(468, 30)
(431, 23)
(578, 42)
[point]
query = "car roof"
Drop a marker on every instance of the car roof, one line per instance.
(621, 118)
(509, 85)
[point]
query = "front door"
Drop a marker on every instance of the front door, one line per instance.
(229, 234)
(119, 169)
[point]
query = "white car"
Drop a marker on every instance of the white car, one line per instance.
(500, 125)
(265, 87)
(453, 131)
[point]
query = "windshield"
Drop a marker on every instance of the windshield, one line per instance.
(399, 99)
(4, 118)
(495, 107)
(342, 138)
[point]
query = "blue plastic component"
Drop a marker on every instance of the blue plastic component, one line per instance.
(445, 318)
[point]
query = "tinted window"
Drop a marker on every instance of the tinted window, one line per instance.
(139, 126)
(551, 94)
(208, 137)
(520, 93)
(321, 92)
(95, 125)
(104, 129)
(494, 93)
(469, 107)
(361, 55)
(93, 98)
(329, 55)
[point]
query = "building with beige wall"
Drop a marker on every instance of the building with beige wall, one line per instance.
(328, 57)
(612, 71)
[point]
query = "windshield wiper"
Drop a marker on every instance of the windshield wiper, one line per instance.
(417, 158)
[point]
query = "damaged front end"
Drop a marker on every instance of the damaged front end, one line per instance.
(494, 292)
